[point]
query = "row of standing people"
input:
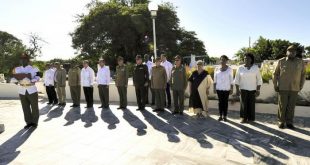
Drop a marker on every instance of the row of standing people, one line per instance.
(289, 78)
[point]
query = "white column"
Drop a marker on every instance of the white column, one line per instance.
(154, 36)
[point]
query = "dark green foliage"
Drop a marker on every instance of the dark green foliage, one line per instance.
(124, 28)
(10, 50)
(266, 49)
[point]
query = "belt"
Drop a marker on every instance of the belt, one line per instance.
(26, 85)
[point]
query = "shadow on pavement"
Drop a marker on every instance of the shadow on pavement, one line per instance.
(161, 126)
(135, 122)
(8, 150)
(55, 113)
(74, 114)
(89, 117)
(108, 117)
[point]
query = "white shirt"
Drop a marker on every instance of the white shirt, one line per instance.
(223, 79)
(103, 75)
(34, 78)
(49, 77)
(248, 79)
(87, 77)
(168, 67)
(149, 65)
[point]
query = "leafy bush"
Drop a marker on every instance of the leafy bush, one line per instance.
(267, 69)
(308, 72)
(210, 70)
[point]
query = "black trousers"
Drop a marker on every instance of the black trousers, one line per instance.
(51, 94)
(30, 107)
(247, 105)
(104, 95)
(140, 94)
(88, 92)
(223, 102)
(168, 94)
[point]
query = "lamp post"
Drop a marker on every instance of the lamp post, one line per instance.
(153, 7)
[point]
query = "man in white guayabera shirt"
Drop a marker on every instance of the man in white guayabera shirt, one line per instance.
(87, 81)
(103, 81)
(49, 84)
(26, 76)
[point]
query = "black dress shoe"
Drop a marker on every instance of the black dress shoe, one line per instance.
(106, 107)
(49, 103)
(220, 118)
(281, 125)
(175, 112)
(72, 105)
(225, 119)
(123, 107)
(155, 110)
(290, 126)
(27, 126)
(76, 106)
(101, 106)
(119, 108)
(34, 125)
(161, 110)
(244, 121)
(169, 106)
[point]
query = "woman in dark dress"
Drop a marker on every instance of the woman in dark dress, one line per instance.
(200, 82)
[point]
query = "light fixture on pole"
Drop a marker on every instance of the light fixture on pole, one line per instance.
(153, 8)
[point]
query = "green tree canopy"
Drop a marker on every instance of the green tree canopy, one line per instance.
(124, 28)
(307, 51)
(10, 50)
(266, 49)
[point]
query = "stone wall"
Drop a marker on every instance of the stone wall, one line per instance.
(268, 95)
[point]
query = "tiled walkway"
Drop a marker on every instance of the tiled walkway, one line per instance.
(96, 136)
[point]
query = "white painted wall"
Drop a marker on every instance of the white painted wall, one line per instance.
(10, 91)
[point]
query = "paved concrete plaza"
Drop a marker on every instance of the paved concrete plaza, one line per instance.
(95, 136)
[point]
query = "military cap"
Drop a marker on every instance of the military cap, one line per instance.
(138, 57)
(291, 47)
(25, 56)
(177, 57)
(199, 62)
(157, 59)
(120, 58)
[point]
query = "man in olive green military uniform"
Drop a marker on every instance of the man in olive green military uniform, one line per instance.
(60, 79)
(289, 78)
(140, 81)
(26, 76)
(149, 65)
(121, 82)
(178, 83)
(74, 81)
(158, 84)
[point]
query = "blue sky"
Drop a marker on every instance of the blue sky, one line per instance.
(224, 25)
